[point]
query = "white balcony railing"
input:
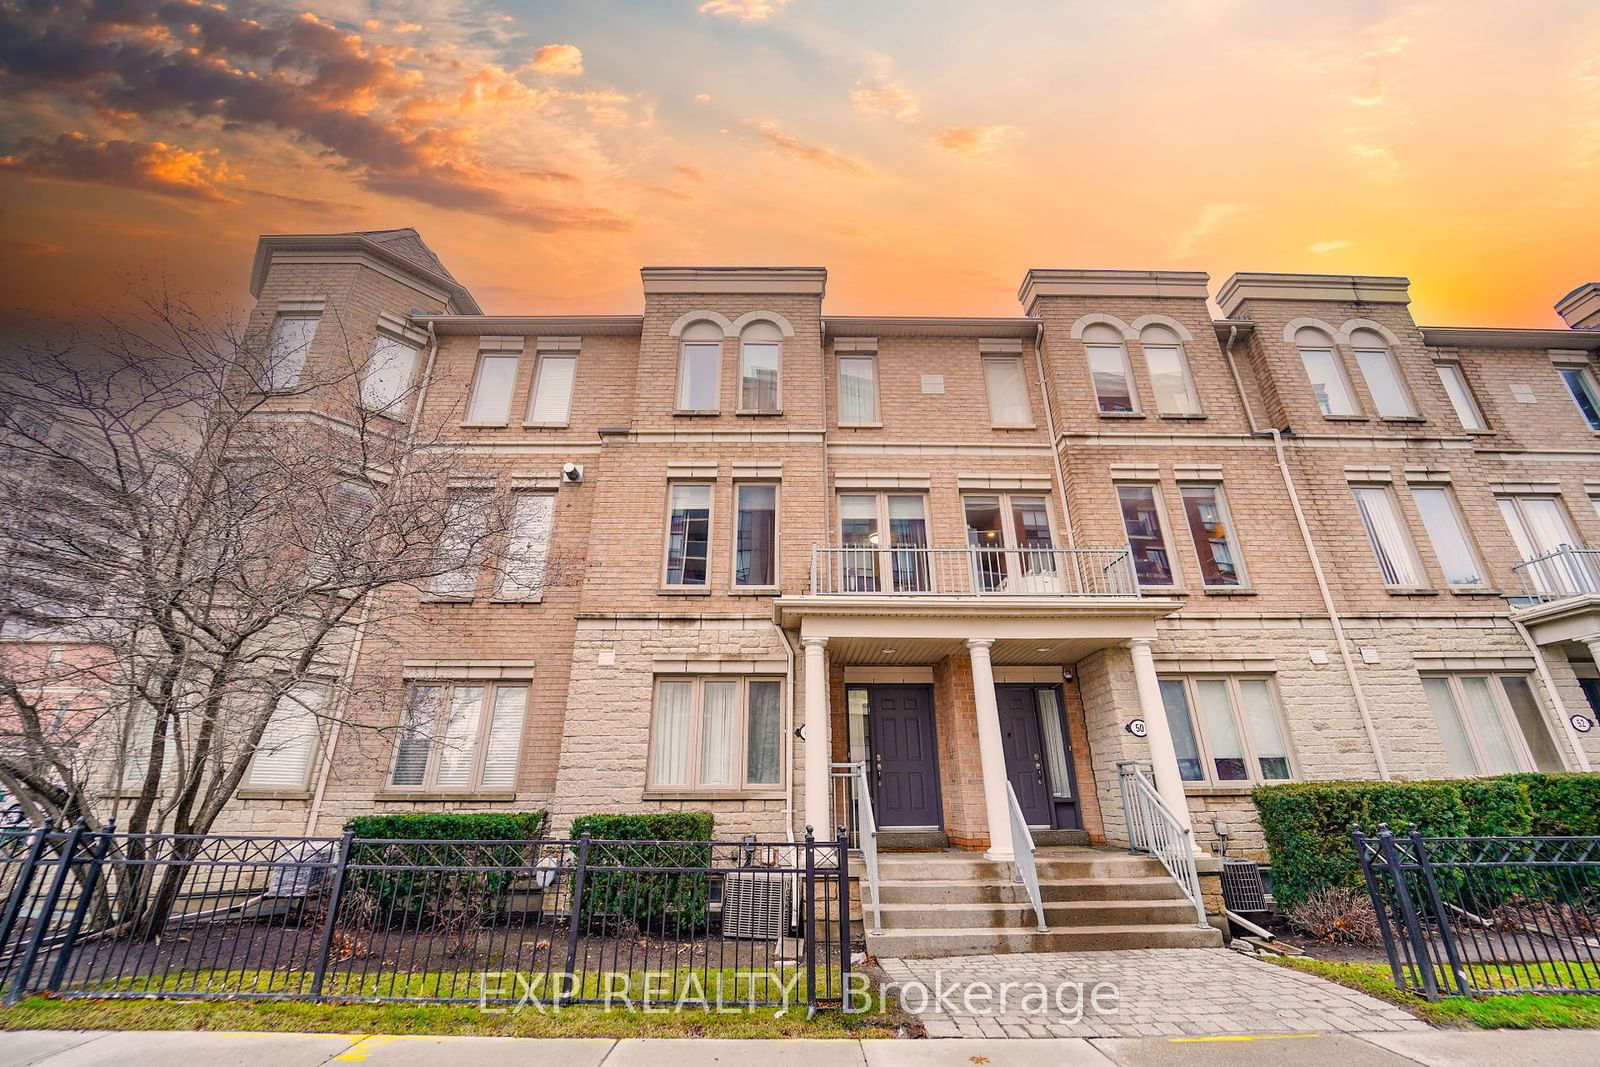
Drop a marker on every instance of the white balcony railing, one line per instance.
(968, 571)
(1566, 572)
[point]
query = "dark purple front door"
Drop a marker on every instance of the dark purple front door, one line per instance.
(905, 761)
(1019, 732)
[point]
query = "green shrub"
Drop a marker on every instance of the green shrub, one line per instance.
(1564, 805)
(672, 902)
(451, 826)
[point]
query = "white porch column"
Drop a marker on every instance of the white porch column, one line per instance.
(1593, 644)
(991, 752)
(818, 770)
(1163, 757)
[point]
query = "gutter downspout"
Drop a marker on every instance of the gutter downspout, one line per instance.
(1050, 427)
(1557, 704)
(1334, 618)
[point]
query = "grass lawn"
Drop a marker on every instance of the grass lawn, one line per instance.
(1510, 1011)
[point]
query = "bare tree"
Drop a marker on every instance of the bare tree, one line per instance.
(210, 548)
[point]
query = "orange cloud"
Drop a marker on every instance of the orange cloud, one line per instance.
(811, 153)
(973, 141)
(558, 60)
(889, 101)
(153, 166)
(743, 10)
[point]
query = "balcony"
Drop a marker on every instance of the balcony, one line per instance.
(1560, 575)
(970, 572)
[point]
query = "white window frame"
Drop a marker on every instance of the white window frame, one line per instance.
(396, 407)
(1586, 382)
(1014, 360)
(744, 342)
(314, 745)
(1228, 526)
(480, 743)
(1384, 351)
(473, 397)
(505, 585)
(1460, 519)
(1339, 369)
(1465, 404)
(1031, 569)
(1120, 345)
(475, 504)
(1175, 345)
(535, 390)
(711, 533)
(684, 344)
(1162, 521)
(1247, 740)
(870, 358)
(1507, 715)
(1406, 551)
(740, 771)
(275, 342)
(777, 535)
(883, 556)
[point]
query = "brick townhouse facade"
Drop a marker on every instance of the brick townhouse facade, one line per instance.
(1289, 543)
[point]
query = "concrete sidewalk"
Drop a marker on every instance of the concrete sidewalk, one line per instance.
(1437, 1048)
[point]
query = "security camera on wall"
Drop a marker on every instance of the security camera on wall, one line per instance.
(572, 473)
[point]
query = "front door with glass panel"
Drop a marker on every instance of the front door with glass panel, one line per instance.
(904, 766)
(1038, 755)
(1014, 547)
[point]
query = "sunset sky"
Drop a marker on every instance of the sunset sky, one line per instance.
(926, 152)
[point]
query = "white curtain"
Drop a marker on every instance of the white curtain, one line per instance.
(669, 743)
(1222, 736)
(1055, 746)
(857, 389)
(552, 396)
(1390, 542)
(1008, 392)
(505, 737)
(1450, 543)
(1452, 732)
(459, 745)
(1499, 752)
(527, 546)
(460, 546)
(1266, 734)
(764, 729)
(719, 721)
(286, 353)
(387, 375)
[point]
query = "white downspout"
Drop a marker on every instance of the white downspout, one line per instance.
(1334, 619)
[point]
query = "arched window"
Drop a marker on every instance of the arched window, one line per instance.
(1169, 372)
(1325, 372)
(1108, 368)
(700, 367)
(1381, 374)
(760, 355)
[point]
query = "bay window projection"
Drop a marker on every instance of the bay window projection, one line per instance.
(1108, 369)
(1448, 535)
(459, 736)
(1325, 372)
(1008, 391)
(1169, 372)
(551, 402)
(1461, 398)
(286, 350)
(760, 350)
(1581, 384)
(1490, 724)
(386, 377)
(1147, 535)
(688, 533)
(283, 756)
(1381, 373)
(527, 550)
(1386, 530)
(858, 390)
(869, 557)
(755, 535)
(1211, 530)
(1226, 729)
(716, 734)
(700, 367)
(491, 393)
(460, 550)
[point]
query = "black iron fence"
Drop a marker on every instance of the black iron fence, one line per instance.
(496, 923)
(1484, 915)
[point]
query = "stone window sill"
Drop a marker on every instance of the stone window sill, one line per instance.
(435, 797)
(1016, 426)
(861, 426)
(1228, 590)
(1421, 590)
(1414, 419)
(683, 413)
(683, 590)
(484, 425)
(755, 590)
(759, 413)
(1184, 418)
(545, 425)
(444, 598)
(1235, 789)
(516, 600)
(1348, 418)
(1122, 414)
(273, 794)
(1475, 590)
(763, 793)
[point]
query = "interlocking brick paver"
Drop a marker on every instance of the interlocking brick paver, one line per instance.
(1158, 991)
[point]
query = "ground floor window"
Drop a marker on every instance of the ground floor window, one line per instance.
(282, 758)
(1491, 723)
(716, 733)
(460, 736)
(1226, 729)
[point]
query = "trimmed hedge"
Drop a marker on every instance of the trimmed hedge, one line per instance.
(675, 903)
(451, 826)
(401, 895)
(1307, 824)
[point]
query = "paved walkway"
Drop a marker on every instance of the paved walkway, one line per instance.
(1436, 1048)
(1138, 993)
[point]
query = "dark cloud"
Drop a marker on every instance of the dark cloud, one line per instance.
(152, 166)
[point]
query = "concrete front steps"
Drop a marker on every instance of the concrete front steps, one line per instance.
(960, 904)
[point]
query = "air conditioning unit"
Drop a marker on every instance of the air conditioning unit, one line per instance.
(755, 905)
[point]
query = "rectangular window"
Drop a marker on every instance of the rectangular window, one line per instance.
(1169, 380)
(527, 550)
(283, 756)
(758, 376)
(1012, 536)
(1580, 383)
(1327, 381)
(1448, 535)
(1147, 536)
(1211, 529)
(551, 403)
(1383, 382)
(688, 533)
(1539, 528)
(386, 378)
(1226, 730)
(1490, 724)
(904, 559)
(1461, 398)
(1113, 386)
(1008, 391)
(755, 536)
(858, 389)
(491, 394)
(287, 349)
(343, 541)
(698, 371)
(716, 733)
(1386, 530)
(461, 546)
(460, 737)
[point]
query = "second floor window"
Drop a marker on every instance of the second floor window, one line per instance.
(460, 737)
(700, 367)
(1580, 383)
(460, 549)
(1211, 529)
(688, 533)
(760, 353)
(491, 393)
(386, 378)
(1008, 391)
(527, 549)
(1108, 369)
(858, 389)
(1448, 535)
(1381, 373)
(1012, 534)
(287, 349)
(1169, 372)
(551, 402)
(1539, 528)
(870, 558)
(1325, 372)
(755, 548)
(1147, 534)
(1386, 530)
